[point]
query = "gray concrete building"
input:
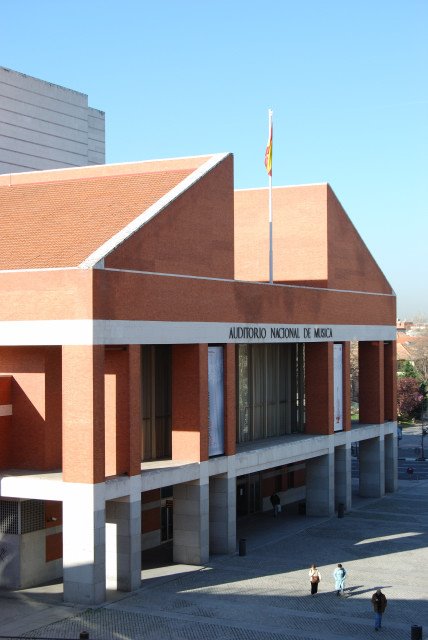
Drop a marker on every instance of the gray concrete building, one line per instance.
(46, 126)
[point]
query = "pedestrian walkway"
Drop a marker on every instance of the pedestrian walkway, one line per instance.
(264, 595)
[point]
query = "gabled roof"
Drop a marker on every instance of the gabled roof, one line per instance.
(75, 217)
(403, 353)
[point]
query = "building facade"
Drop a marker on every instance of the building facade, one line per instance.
(155, 386)
(45, 126)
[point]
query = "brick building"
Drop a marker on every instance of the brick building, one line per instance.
(155, 386)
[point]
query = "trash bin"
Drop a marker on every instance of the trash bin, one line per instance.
(84, 635)
(340, 510)
(416, 632)
(242, 547)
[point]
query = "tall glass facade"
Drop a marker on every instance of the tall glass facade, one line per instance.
(270, 390)
(156, 401)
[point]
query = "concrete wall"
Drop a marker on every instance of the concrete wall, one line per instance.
(44, 126)
(23, 561)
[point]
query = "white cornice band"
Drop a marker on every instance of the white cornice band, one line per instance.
(116, 332)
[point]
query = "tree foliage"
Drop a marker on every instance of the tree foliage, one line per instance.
(407, 369)
(409, 398)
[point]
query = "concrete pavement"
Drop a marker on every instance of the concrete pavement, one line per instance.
(264, 595)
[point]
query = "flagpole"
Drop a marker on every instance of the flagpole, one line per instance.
(270, 208)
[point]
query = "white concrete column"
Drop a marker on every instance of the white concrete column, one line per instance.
(191, 522)
(84, 565)
(372, 468)
(222, 510)
(391, 463)
(123, 541)
(343, 476)
(320, 485)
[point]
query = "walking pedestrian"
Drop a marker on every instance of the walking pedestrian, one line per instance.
(339, 575)
(314, 578)
(379, 603)
(276, 503)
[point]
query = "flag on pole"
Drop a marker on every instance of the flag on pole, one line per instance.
(268, 152)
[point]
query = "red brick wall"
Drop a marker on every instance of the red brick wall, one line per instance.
(350, 264)
(319, 388)
(28, 400)
(371, 382)
(299, 238)
(83, 414)
(150, 520)
(53, 393)
(390, 374)
(150, 496)
(183, 299)
(116, 411)
(346, 353)
(53, 547)
(190, 402)
(192, 235)
(5, 421)
(123, 410)
(53, 514)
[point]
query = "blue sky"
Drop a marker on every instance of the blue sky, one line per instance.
(347, 80)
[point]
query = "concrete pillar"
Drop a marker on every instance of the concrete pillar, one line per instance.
(191, 522)
(343, 476)
(123, 542)
(372, 468)
(391, 463)
(84, 566)
(320, 486)
(190, 402)
(371, 382)
(319, 388)
(222, 514)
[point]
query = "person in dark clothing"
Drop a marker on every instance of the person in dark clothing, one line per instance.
(314, 579)
(275, 501)
(379, 603)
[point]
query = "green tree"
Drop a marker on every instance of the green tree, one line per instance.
(408, 370)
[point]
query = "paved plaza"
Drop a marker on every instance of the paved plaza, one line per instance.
(264, 595)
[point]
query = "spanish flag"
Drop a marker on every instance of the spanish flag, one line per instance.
(268, 152)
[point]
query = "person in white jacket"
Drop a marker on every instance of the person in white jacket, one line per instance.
(339, 575)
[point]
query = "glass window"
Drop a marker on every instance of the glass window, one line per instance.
(270, 390)
(156, 401)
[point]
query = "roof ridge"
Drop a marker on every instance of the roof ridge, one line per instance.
(119, 168)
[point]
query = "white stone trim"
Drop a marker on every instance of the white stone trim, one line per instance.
(5, 410)
(250, 458)
(115, 332)
(281, 285)
(111, 244)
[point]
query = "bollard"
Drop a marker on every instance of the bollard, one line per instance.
(340, 510)
(242, 547)
(416, 631)
(84, 635)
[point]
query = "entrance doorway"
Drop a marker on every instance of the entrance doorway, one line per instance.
(248, 495)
